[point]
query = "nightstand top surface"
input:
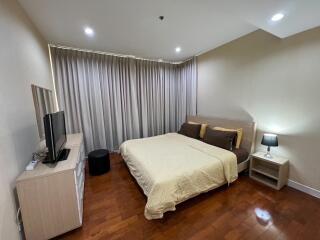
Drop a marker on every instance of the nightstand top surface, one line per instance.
(274, 159)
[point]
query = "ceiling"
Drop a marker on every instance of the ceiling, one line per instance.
(132, 27)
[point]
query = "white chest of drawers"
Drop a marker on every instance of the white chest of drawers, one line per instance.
(51, 197)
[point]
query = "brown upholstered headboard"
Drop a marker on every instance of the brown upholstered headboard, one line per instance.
(249, 128)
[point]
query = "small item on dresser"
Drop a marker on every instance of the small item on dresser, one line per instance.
(40, 155)
(36, 157)
(99, 162)
(31, 165)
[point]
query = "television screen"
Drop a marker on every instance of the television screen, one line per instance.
(59, 132)
(55, 132)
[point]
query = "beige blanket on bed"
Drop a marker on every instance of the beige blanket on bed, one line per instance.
(171, 168)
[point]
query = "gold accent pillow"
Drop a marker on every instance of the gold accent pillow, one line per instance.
(239, 134)
(203, 128)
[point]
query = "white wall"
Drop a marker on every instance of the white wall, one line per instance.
(275, 82)
(23, 60)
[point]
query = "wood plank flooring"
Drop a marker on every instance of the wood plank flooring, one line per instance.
(114, 207)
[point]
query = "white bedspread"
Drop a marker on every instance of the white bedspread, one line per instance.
(171, 168)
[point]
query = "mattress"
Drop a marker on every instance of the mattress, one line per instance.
(172, 168)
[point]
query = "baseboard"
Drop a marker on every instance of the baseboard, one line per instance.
(304, 188)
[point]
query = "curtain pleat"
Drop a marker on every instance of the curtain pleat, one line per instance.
(111, 99)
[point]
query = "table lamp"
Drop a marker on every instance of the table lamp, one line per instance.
(270, 140)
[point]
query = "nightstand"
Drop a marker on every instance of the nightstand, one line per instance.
(272, 172)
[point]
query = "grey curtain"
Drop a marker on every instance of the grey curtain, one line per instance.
(111, 99)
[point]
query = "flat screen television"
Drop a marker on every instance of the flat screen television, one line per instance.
(56, 137)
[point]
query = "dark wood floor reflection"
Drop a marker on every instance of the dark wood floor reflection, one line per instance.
(114, 206)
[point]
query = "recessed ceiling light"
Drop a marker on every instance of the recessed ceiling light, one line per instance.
(277, 17)
(89, 31)
(178, 49)
(160, 60)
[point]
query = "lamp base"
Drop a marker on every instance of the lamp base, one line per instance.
(268, 155)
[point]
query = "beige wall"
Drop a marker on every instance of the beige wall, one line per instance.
(276, 82)
(23, 60)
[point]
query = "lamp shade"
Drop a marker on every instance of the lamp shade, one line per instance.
(269, 139)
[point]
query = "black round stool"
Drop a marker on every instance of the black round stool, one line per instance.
(99, 162)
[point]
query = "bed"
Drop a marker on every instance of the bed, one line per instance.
(172, 168)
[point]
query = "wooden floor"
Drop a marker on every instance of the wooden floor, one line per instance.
(114, 206)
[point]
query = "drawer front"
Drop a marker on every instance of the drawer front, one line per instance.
(80, 190)
(81, 193)
(81, 184)
(80, 177)
(81, 210)
(81, 161)
(82, 155)
(80, 166)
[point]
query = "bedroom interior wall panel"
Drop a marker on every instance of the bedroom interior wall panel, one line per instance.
(274, 82)
(24, 61)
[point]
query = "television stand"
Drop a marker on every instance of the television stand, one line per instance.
(51, 198)
(64, 154)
